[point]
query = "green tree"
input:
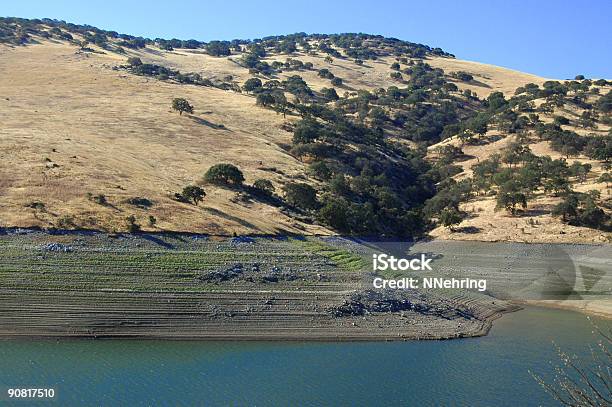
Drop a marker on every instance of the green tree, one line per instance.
(320, 170)
(301, 195)
(280, 102)
(251, 84)
(496, 101)
(306, 131)
(450, 217)
(567, 209)
(592, 216)
(556, 183)
(193, 193)
(579, 170)
(605, 178)
(218, 48)
(224, 174)
(509, 196)
(181, 105)
(335, 212)
(265, 99)
(516, 153)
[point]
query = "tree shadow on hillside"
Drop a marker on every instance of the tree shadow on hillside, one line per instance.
(527, 213)
(484, 140)
(464, 157)
(347, 88)
(154, 51)
(468, 230)
(232, 218)
(474, 82)
(207, 123)
(157, 241)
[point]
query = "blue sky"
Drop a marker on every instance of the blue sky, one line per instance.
(554, 39)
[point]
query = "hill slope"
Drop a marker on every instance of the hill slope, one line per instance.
(72, 125)
(78, 123)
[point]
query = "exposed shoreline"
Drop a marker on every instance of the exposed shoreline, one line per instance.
(150, 316)
(597, 308)
(482, 329)
(194, 287)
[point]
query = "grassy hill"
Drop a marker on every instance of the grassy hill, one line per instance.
(89, 139)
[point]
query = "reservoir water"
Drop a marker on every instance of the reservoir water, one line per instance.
(486, 371)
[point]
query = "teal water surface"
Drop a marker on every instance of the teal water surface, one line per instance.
(487, 371)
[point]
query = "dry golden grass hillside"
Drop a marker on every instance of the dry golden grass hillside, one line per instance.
(73, 127)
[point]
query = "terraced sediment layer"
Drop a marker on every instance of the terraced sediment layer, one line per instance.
(196, 287)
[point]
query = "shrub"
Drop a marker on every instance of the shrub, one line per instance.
(66, 222)
(325, 73)
(336, 81)
(141, 202)
(134, 61)
(561, 120)
(40, 206)
(224, 174)
(462, 76)
(181, 105)
(132, 226)
(264, 186)
(100, 199)
(330, 94)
